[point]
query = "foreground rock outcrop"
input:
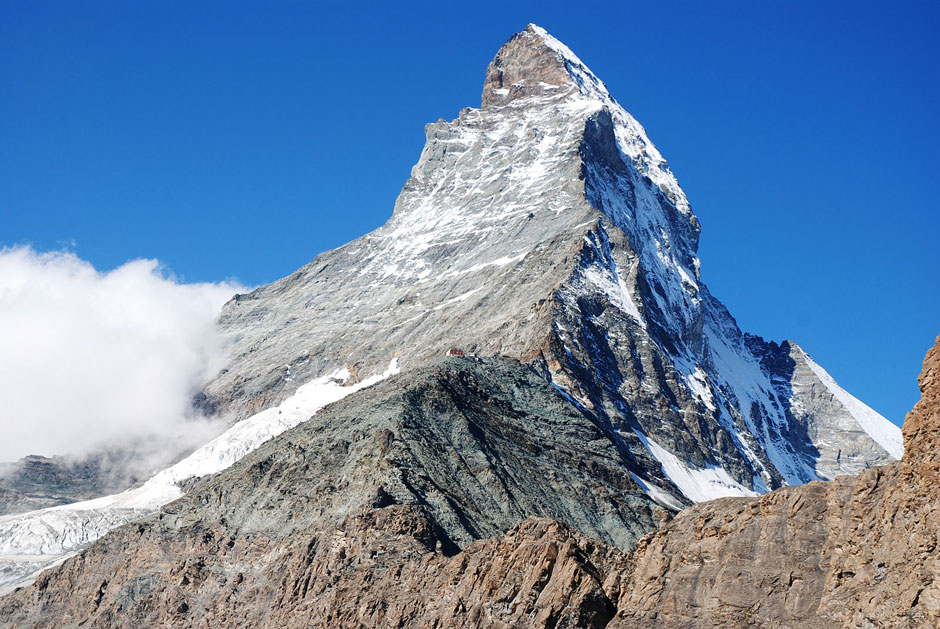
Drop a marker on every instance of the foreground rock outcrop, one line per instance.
(377, 569)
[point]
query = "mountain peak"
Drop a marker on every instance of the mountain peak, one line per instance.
(533, 63)
(546, 230)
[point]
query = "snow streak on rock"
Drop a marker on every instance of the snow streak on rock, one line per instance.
(698, 485)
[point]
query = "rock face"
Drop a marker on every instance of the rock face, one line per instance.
(481, 444)
(855, 552)
(377, 569)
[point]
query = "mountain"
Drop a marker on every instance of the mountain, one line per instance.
(36, 482)
(546, 227)
(545, 237)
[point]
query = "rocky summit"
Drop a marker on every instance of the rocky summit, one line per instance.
(592, 389)
(546, 227)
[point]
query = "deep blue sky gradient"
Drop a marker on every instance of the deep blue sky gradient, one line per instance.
(233, 139)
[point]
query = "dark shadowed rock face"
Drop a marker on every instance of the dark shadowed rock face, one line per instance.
(35, 482)
(482, 444)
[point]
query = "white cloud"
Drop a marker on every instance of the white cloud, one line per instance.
(91, 358)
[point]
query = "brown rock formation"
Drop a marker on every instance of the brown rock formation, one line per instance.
(524, 66)
(377, 569)
(860, 551)
(921, 426)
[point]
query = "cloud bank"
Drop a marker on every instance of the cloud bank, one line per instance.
(91, 359)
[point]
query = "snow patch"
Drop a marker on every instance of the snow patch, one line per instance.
(698, 384)
(656, 493)
(498, 262)
(458, 298)
(697, 485)
(605, 275)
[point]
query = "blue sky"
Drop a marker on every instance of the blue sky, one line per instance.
(238, 140)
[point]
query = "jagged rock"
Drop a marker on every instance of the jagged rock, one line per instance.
(377, 569)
